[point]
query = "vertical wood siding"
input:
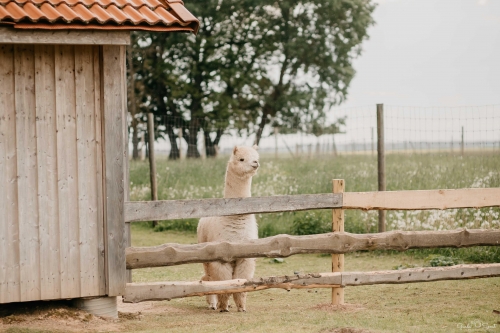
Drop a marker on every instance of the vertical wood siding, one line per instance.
(27, 173)
(9, 218)
(98, 101)
(48, 203)
(113, 58)
(51, 225)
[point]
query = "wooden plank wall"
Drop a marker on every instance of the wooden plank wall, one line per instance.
(51, 226)
(113, 76)
(9, 227)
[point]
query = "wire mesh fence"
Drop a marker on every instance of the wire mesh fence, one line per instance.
(408, 130)
(426, 148)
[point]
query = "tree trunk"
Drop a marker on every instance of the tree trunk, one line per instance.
(133, 103)
(262, 124)
(211, 147)
(192, 139)
(135, 140)
(174, 149)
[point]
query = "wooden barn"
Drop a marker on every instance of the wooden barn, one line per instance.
(63, 142)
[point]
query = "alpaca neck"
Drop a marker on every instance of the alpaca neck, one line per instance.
(237, 187)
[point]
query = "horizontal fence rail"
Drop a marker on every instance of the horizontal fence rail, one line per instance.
(422, 199)
(181, 209)
(390, 200)
(139, 292)
(285, 245)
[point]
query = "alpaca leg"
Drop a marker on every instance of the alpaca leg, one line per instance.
(220, 272)
(244, 269)
(211, 299)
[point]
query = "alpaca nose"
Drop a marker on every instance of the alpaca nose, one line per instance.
(255, 164)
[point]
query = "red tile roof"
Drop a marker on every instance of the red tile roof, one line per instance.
(155, 15)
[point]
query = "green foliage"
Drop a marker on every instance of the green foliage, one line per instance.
(277, 261)
(193, 179)
(476, 254)
(439, 260)
(404, 266)
(247, 65)
(311, 222)
(179, 225)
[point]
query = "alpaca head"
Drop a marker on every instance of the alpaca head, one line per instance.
(244, 161)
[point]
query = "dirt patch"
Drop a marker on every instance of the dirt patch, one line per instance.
(346, 308)
(54, 316)
(146, 307)
(60, 316)
(346, 330)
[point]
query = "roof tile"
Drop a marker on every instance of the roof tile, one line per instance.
(154, 15)
(118, 15)
(33, 11)
(83, 12)
(15, 12)
(100, 14)
(133, 14)
(67, 13)
(149, 14)
(166, 16)
(50, 12)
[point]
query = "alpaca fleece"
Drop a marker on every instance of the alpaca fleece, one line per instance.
(242, 166)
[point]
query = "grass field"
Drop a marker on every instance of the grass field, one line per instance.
(191, 179)
(447, 306)
(418, 307)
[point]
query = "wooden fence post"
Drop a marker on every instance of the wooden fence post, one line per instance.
(152, 163)
(338, 259)
(381, 162)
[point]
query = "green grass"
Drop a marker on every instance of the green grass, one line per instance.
(417, 307)
(190, 179)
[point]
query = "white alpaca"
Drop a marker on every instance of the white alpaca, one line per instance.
(242, 166)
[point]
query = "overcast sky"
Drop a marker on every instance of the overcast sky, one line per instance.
(430, 53)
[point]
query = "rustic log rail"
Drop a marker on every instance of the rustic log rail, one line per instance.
(179, 209)
(286, 245)
(139, 292)
(281, 246)
(391, 200)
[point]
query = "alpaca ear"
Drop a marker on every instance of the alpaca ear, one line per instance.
(255, 147)
(235, 150)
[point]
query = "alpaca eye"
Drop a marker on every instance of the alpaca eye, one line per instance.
(242, 159)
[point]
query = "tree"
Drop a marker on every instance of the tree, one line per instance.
(197, 81)
(309, 52)
(252, 61)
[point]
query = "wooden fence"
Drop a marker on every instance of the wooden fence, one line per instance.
(336, 243)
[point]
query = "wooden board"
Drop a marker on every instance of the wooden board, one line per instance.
(67, 171)
(139, 292)
(397, 200)
(87, 169)
(338, 226)
(29, 243)
(9, 228)
(126, 172)
(428, 199)
(425, 274)
(48, 205)
(113, 59)
(51, 226)
(99, 116)
(75, 37)
(282, 246)
(177, 209)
